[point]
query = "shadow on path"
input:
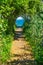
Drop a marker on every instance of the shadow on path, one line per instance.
(22, 62)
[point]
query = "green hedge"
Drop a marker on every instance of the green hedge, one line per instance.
(33, 32)
(5, 48)
(5, 41)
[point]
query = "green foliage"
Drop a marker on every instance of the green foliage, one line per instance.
(5, 41)
(34, 33)
(5, 48)
(3, 25)
(9, 10)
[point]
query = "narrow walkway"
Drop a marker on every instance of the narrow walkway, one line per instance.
(21, 51)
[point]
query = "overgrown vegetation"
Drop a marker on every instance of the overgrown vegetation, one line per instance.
(5, 41)
(34, 34)
(33, 30)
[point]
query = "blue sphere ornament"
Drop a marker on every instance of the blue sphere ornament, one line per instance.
(19, 21)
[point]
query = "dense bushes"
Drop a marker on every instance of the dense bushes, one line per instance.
(5, 48)
(6, 29)
(33, 32)
(5, 41)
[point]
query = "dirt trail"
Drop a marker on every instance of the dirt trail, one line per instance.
(21, 51)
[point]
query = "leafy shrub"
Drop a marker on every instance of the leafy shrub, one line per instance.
(5, 41)
(34, 34)
(5, 48)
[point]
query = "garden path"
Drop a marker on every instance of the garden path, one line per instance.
(21, 51)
